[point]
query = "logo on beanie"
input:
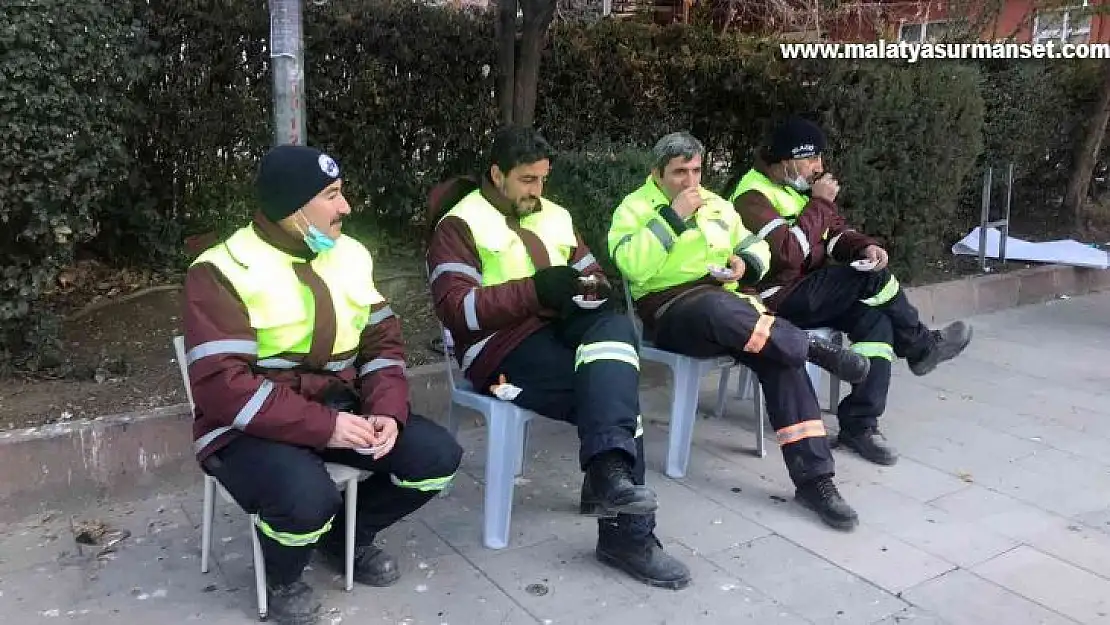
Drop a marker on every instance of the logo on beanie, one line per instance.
(804, 151)
(329, 166)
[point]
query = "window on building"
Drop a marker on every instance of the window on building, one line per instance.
(923, 32)
(1067, 25)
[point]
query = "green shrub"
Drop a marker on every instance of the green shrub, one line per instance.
(66, 71)
(590, 184)
(165, 141)
(903, 141)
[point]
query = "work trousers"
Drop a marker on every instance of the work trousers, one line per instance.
(300, 507)
(716, 323)
(871, 308)
(585, 370)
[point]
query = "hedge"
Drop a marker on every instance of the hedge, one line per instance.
(132, 124)
(67, 71)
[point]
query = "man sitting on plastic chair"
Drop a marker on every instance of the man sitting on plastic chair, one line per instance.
(823, 273)
(289, 343)
(523, 298)
(685, 253)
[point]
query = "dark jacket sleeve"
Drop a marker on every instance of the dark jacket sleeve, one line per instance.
(790, 244)
(466, 307)
(845, 244)
(221, 346)
(381, 365)
(585, 262)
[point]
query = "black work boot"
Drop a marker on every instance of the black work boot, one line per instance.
(373, 567)
(946, 345)
(821, 496)
(591, 504)
(866, 444)
(609, 489)
(837, 360)
(645, 561)
(292, 604)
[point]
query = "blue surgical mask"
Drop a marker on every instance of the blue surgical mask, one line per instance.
(318, 241)
(315, 240)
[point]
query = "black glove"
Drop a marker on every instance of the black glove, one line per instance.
(340, 397)
(556, 285)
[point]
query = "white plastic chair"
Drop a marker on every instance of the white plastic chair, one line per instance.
(507, 441)
(343, 476)
(687, 373)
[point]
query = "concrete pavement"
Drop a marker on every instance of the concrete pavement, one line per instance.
(998, 512)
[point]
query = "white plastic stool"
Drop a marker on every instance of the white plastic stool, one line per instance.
(345, 477)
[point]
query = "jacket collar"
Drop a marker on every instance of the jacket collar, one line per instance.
(503, 205)
(273, 235)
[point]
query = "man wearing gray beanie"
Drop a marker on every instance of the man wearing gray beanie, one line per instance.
(296, 360)
(825, 274)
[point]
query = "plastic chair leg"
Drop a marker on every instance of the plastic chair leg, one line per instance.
(684, 405)
(453, 423)
(760, 419)
(522, 457)
(452, 420)
(349, 546)
(814, 373)
(743, 383)
(722, 392)
(208, 515)
(259, 569)
(506, 437)
(834, 382)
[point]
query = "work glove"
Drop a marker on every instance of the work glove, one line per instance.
(556, 285)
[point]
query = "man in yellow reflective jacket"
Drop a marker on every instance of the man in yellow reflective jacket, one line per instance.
(513, 282)
(690, 264)
(295, 359)
(825, 274)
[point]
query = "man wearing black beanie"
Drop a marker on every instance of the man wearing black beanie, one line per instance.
(825, 274)
(296, 360)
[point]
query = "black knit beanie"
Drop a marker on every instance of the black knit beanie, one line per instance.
(290, 176)
(795, 138)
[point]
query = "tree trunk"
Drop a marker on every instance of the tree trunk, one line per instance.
(537, 17)
(730, 15)
(1087, 153)
(506, 58)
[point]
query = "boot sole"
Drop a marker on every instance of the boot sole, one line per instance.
(886, 462)
(594, 508)
(925, 370)
(340, 567)
(617, 563)
(608, 510)
(839, 524)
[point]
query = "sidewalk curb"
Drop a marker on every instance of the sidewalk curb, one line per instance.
(95, 457)
(976, 295)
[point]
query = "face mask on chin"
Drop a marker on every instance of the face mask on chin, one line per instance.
(798, 182)
(316, 241)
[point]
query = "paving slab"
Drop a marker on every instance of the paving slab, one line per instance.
(1050, 582)
(961, 598)
(996, 512)
(817, 589)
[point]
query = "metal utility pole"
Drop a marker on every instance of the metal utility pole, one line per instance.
(287, 65)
